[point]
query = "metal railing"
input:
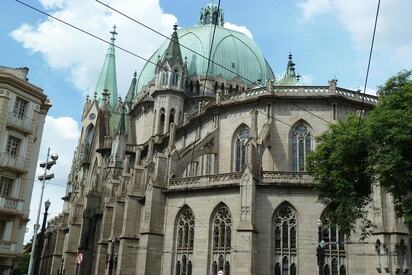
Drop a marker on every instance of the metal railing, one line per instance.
(17, 163)
(21, 122)
(7, 247)
(11, 204)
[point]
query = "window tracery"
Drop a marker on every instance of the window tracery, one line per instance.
(335, 248)
(221, 240)
(284, 239)
(185, 233)
(301, 146)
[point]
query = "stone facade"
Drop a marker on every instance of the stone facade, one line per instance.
(178, 181)
(23, 108)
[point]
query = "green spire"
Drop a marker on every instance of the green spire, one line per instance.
(130, 94)
(121, 128)
(172, 53)
(107, 78)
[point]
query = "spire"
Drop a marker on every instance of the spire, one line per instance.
(172, 53)
(211, 15)
(290, 69)
(121, 128)
(130, 94)
(107, 78)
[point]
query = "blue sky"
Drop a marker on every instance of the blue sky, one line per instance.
(328, 38)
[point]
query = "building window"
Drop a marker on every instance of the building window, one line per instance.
(221, 240)
(6, 186)
(185, 235)
(164, 78)
(284, 240)
(175, 78)
(241, 138)
(172, 116)
(162, 119)
(20, 106)
(335, 248)
(13, 146)
(301, 146)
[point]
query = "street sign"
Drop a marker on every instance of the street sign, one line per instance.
(79, 259)
(220, 272)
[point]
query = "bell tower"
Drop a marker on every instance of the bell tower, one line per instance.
(168, 96)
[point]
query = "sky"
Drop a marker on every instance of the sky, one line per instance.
(328, 39)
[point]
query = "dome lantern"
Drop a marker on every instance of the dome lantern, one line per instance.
(210, 14)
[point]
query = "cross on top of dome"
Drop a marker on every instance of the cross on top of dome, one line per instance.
(210, 14)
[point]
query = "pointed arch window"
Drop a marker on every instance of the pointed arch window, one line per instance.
(185, 233)
(175, 78)
(162, 118)
(172, 116)
(301, 146)
(221, 240)
(335, 248)
(284, 240)
(164, 77)
(241, 138)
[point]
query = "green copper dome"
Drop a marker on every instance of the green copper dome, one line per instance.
(231, 49)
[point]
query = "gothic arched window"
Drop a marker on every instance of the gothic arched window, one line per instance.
(185, 233)
(301, 146)
(162, 119)
(335, 248)
(221, 239)
(284, 240)
(164, 77)
(175, 78)
(241, 138)
(172, 116)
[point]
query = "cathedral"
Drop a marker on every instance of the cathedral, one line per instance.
(200, 169)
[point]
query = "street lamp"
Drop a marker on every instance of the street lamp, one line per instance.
(40, 241)
(320, 250)
(46, 166)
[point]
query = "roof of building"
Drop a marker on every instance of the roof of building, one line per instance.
(107, 77)
(237, 53)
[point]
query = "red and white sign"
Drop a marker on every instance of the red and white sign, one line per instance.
(220, 272)
(79, 258)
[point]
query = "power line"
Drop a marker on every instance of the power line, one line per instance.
(199, 54)
(369, 63)
(125, 50)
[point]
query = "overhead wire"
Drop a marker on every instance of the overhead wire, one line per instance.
(369, 63)
(200, 55)
(128, 51)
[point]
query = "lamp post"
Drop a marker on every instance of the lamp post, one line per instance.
(320, 250)
(40, 241)
(46, 166)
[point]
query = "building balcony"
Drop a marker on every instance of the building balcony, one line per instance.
(11, 204)
(7, 247)
(267, 178)
(20, 123)
(17, 164)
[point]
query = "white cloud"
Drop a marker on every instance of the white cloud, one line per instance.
(61, 134)
(394, 32)
(64, 48)
(311, 8)
(306, 79)
(238, 28)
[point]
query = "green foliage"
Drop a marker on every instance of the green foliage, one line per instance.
(352, 156)
(24, 259)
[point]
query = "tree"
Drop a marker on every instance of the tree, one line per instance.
(354, 154)
(24, 259)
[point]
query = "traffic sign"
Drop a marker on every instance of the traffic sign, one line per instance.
(79, 259)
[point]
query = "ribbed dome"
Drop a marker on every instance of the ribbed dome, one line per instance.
(231, 49)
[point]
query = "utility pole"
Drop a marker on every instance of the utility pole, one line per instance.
(46, 165)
